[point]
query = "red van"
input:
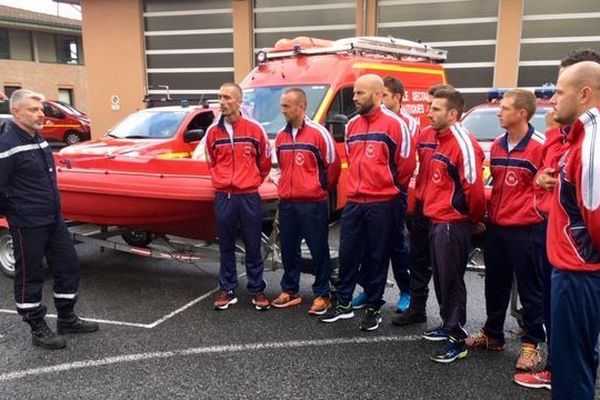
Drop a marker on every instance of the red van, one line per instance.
(326, 70)
(63, 122)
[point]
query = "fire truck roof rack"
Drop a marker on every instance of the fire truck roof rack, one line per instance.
(366, 45)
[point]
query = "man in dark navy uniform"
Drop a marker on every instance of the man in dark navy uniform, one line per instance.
(30, 201)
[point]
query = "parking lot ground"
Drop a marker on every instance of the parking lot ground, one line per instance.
(161, 339)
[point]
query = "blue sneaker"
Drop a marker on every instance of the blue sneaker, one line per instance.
(403, 302)
(453, 350)
(437, 334)
(359, 301)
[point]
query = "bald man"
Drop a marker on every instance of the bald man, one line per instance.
(381, 161)
(574, 236)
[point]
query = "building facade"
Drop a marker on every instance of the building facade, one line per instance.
(43, 53)
(187, 48)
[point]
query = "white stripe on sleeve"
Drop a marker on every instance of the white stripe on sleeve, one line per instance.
(590, 160)
(468, 152)
(330, 156)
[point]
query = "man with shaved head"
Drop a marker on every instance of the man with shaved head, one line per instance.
(310, 167)
(381, 161)
(239, 159)
(556, 144)
(574, 236)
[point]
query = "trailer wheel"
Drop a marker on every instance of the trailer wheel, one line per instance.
(72, 137)
(137, 237)
(7, 257)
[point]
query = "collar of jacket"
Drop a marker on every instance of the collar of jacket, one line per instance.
(221, 123)
(24, 135)
(444, 134)
(288, 127)
(522, 143)
(373, 115)
(591, 116)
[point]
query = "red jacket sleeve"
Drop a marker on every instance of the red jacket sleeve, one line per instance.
(587, 173)
(208, 149)
(331, 160)
(473, 185)
(264, 158)
(405, 154)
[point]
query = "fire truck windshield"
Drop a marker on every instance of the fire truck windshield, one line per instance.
(262, 104)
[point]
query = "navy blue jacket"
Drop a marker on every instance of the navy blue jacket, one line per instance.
(28, 191)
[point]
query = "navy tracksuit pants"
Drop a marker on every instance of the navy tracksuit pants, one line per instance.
(546, 274)
(365, 235)
(308, 220)
(30, 246)
(420, 263)
(513, 252)
(575, 330)
(400, 255)
(450, 243)
(243, 210)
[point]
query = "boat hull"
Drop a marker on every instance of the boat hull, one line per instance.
(173, 197)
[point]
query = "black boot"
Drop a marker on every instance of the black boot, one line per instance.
(73, 324)
(410, 316)
(42, 336)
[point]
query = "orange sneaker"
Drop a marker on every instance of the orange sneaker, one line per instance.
(529, 358)
(319, 306)
(481, 341)
(286, 299)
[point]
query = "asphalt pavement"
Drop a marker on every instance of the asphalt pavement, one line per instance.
(161, 339)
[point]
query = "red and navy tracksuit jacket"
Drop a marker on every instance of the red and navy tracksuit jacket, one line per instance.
(309, 164)
(381, 157)
(555, 146)
(455, 184)
(238, 164)
(426, 144)
(513, 193)
(412, 123)
(574, 222)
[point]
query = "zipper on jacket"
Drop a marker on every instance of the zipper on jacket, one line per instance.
(363, 157)
(231, 140)
(502, 185)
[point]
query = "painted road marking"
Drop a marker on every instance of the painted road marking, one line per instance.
(234, 348)
(140, 325)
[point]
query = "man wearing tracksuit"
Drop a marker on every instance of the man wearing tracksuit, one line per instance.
(238, 154)
(555, 146)
(310, 167)
(513, 233)
(574, 236)
(31, 203)
(400, 256)
(381, 161)
(453, 201)
(420, 262)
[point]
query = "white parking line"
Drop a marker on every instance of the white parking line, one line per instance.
(140, 325)
(101, 321)
(235, 348)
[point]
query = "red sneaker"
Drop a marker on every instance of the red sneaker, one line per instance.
(224, 299)
(535, 380)
(260, 301)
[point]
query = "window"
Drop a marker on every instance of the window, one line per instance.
(4, 45)
(52, 112)
(343, 103)
(68, 49)
(10, 89)
(65, 96)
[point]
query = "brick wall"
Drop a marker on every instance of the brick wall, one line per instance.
(46, 78)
